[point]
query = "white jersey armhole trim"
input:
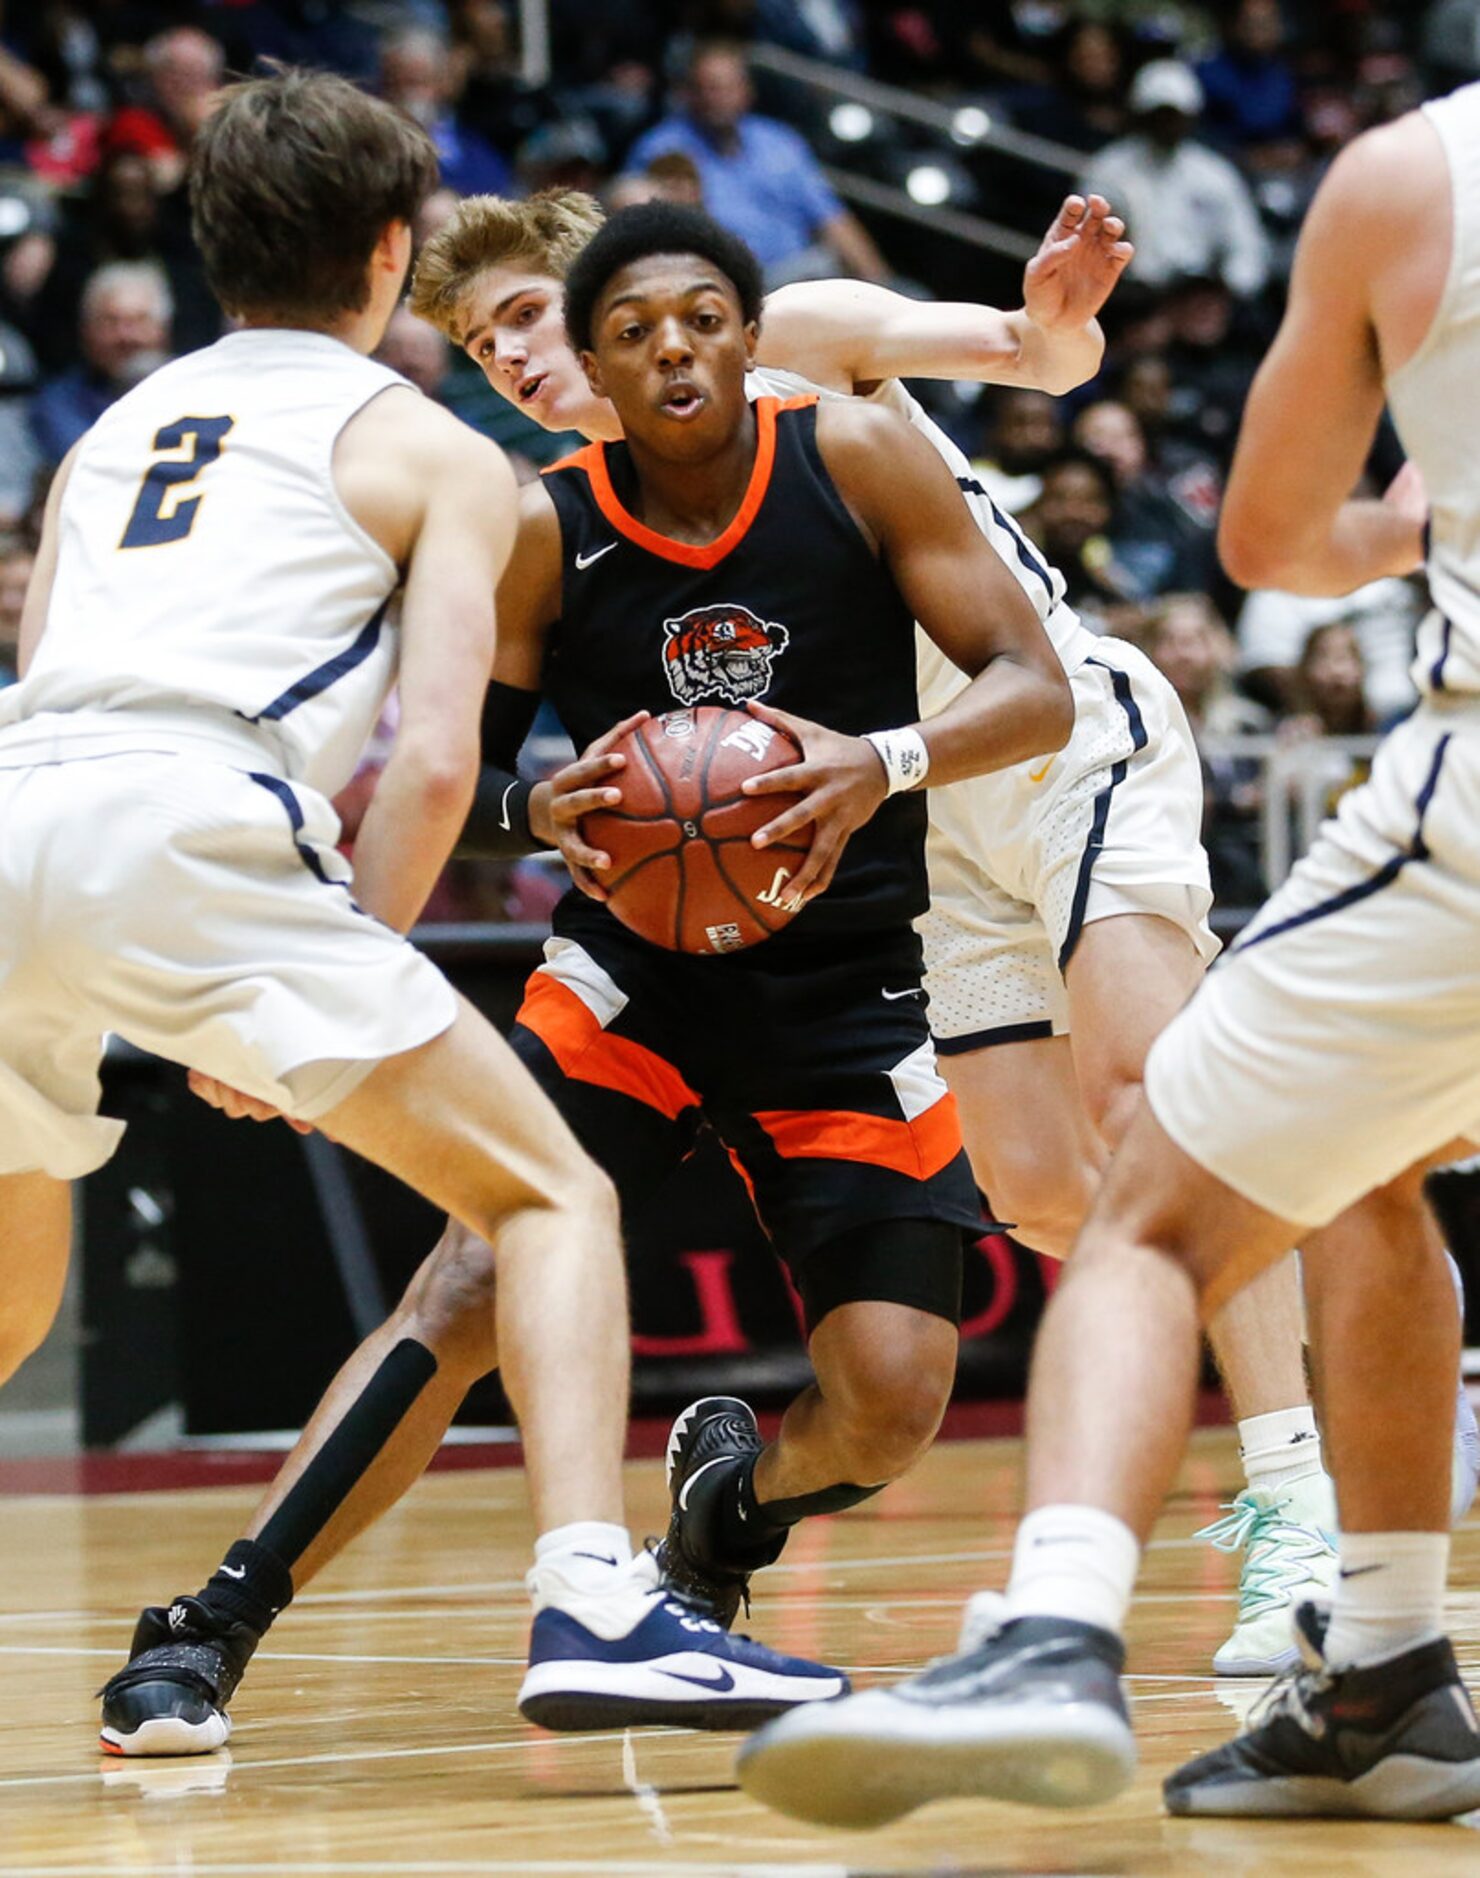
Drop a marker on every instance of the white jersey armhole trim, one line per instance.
(1439, 322)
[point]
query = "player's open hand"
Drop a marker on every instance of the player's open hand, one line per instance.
(240, 1107)
(1077, 264)
(842, 783)
(557, 805)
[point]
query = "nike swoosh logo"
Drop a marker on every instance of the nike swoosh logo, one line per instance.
(913, 992)
(722, 1682)
(600, 1557)
(584, 561)
(1034, 775)
(1360, 1571)
(687, 1487)
(234, 1571)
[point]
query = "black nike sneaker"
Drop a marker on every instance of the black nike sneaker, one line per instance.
(705, 1448)
(171, 1695)
(1391, 1740)
(1032, 1713)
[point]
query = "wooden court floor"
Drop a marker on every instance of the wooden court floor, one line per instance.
(376, 1731)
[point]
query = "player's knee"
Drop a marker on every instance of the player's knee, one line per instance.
(1045, 1200)
(889, 1418)
(1111, 1100)
(451, 1305)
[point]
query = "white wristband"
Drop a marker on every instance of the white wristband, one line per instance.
(904, 756)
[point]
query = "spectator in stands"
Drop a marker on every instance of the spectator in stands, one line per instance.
(20, 461)
(16, 563)
(1072, 521)
(184, 70)
(1330, 682)
(1024, 430)
(417, 75)
(759, 177)
(1253, 101)
(1212, 365)
(122, 217)
(1275, 628)
(124, 333)
(1085, 105)
(417, 351)
(1188, 640)
(1165, 519)
(1186, 208)
(669, 178)
(493, 100)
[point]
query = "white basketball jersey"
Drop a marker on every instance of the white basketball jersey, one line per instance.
(939, 680)
(1435, 399)
(208, 574)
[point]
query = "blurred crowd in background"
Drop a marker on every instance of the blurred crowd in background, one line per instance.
(1207, 125)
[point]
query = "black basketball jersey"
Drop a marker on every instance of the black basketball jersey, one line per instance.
(789, 604)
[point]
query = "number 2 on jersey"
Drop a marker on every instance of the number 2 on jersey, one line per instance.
(162, 512)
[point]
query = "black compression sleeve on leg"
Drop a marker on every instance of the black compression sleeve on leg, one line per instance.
(334, 1472)
(752, 1530)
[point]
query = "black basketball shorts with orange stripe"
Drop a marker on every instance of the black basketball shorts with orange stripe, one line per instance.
(816, 1072)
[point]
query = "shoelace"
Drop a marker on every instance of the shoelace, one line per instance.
(1266, 1581)
(1291, 1694)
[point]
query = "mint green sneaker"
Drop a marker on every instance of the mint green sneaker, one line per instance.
(1288, 1538)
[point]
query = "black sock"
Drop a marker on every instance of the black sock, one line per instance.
(745, 1527)
(250, 1586)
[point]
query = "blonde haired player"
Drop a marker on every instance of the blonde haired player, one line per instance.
(1318, 1073)
(207, 644)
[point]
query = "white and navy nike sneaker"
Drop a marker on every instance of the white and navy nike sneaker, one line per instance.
(707, 1445)
(1393, 1740)
(171, 1695)
(675, 1667)
(1032, 1712)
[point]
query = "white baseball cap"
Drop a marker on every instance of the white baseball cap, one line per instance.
(1167, 85)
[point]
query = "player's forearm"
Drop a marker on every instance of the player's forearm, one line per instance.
(1055, 359)
(1365, 540)
(407, 835)
(1010, 711)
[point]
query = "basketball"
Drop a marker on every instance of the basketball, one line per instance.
(683, 872)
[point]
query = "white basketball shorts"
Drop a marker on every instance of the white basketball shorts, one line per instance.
(1023, 859)
(199, 912)
(1338, 1042)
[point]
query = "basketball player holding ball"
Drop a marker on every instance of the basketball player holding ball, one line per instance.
(771, 556)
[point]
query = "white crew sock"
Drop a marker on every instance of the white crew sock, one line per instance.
(587, 1570)
(1389, 1596)
(1281, 1448)
(1073, 1561)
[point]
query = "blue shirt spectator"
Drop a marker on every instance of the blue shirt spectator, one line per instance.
(124, 332)
(417, 75)
(1249, 86)
(759, 177)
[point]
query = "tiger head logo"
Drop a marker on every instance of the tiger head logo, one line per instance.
(720, 651)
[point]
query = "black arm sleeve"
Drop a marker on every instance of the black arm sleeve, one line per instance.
(498, 822)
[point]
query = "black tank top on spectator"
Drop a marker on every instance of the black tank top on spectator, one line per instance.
(789, 604)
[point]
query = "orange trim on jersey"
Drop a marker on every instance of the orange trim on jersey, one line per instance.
(578, 459)
(593, 461)
(573, 1035)
(920, 1148)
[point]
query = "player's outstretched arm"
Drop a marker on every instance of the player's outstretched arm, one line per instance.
(845, 333)
(1288, 517)
(1018, 704)
(451, 493)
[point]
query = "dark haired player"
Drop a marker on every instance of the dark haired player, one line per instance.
(205, 647)
(810, 1056)
(832, 529)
